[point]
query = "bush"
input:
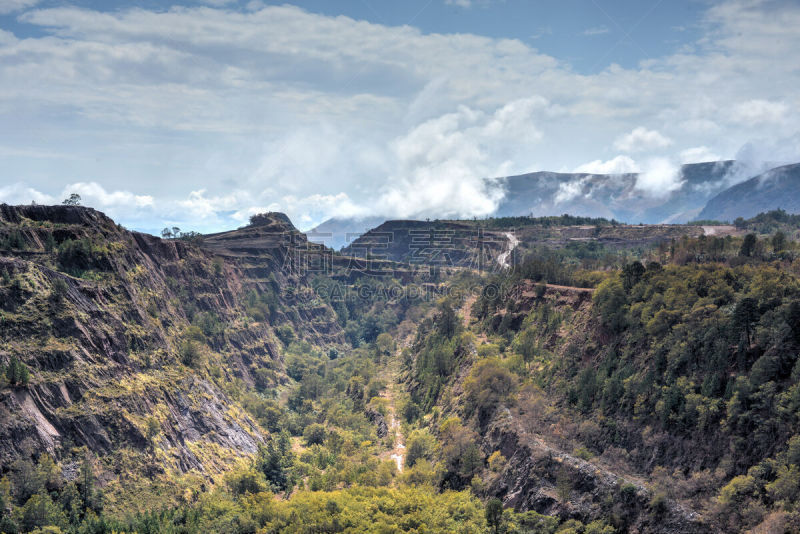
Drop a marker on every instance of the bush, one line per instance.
(78, 255)
(285, 334)
(190, 353)
(14, 240)
(421, 446)
(58, 290)
(489, 385)
(17, 373)
(314, 434)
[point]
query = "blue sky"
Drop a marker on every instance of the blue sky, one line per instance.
(198, 114)
(589, 34)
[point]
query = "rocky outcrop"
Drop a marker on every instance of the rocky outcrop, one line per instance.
(133, 342)
(541, 477)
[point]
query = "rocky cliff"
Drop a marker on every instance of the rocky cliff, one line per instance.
(140, 345)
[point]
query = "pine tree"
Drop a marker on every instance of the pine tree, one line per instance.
(494, 514)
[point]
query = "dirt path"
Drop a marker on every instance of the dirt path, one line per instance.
(571, 288)
(390, 375)
(720, 230)
(466, 311)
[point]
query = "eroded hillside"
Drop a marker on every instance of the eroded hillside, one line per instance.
(132, 342)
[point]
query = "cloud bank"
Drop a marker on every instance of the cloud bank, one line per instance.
(211, 112)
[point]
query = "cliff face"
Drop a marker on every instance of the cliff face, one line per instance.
(136, 343)
(436, 243)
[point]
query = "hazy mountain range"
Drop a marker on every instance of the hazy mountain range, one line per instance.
(776, 188)
(720, 190)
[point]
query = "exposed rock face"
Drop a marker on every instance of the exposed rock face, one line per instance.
(104, 327)
(439, 243)
(547, 480)
(381, 429)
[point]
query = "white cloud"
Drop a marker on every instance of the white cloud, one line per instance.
(291, 108)
(99, 197)
(10, 6)
(442, 164)
(641, 139)
(568, 191)
(760, 111)
(659, 177)
(617, 165)
(19, 193)
(698, 154)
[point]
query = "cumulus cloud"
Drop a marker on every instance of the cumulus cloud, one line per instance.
(618, 165)
(641, 139)
(442, 164)
(760, 111)
(295, 109)
(659, 177)
(98, 196)
(19, 193)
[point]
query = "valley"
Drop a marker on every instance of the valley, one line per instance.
(590, 376)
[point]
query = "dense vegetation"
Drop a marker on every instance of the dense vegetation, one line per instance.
(651, 380)
(686, 371)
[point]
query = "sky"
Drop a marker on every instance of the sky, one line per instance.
(199, 114)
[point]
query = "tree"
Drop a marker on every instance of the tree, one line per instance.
(40, 511)
(275, 460)
(446, 321)
(611, 304)
(744, 315)
(421, 446)
(778, 241)
(631, 275)
(488, 385)
(748, 245)
(90, 498)
(74, 199)
(494, 514)
(166, 233)
(17, 372)
(314, 434)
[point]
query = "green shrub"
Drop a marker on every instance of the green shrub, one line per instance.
(17, 373)
(13, 240)
(314, 434)
(190, 353)
(285, 334)
(58, 290)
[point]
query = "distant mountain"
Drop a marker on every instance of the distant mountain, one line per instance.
(776, 188)
(615, 196)
(339, 232)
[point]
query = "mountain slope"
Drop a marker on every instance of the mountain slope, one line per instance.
(776, 188)
(133, 343)
(616, 196)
